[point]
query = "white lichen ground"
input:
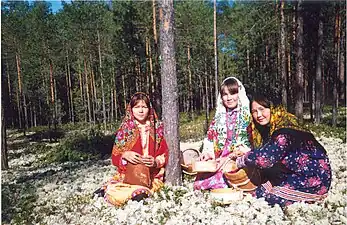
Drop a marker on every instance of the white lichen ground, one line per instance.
(64, 196)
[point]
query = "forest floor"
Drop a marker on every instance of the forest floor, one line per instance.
(37, 192)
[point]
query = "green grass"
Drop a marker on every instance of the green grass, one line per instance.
(80, 146)
(193, 130)
(325, 128)
(17, 201)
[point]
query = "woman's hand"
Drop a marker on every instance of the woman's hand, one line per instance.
(234, 155)
(243, 149)
(149, 161)
(132, 157)
(205, 156)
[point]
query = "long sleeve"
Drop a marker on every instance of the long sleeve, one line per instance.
(243, 122)
(269, 154)
(162, 154)
(117, 159)
(243, 136)
(208, 144)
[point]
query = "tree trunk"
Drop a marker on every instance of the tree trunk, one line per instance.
(150, 78)
(72, 116)
(56, 109)
(213, 101)
(87, 91)
(283, 58)
(4, 114)
(300, 64)
(102, 83)
(342, 65)
(51, 79)
(207, 98)
(170, 91)
(94, 98)
(68, 93)
(124, 91)
(35, 117)
(190, 88)
(215, 47)
(336, 73)
(20, 94)
(248, 62)
(156, 73)
(115, 95)
(318, 80)
(9, 93)
(4, 157)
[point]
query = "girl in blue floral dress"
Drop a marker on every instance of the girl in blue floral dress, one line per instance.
(295, 165)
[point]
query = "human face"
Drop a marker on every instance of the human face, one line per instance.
(140, 111)
(229, 100)
(260, 114)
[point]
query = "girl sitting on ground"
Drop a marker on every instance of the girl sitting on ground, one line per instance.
(140, 154)
(228, 131)
(295, 164)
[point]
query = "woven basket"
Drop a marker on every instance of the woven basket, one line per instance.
(246, 179)
(188, 156)
(226, 195)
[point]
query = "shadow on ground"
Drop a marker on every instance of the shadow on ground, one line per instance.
(47, 135)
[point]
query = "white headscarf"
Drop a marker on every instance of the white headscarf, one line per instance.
(218, 127)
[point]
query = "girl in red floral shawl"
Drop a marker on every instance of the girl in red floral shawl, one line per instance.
(139, 140)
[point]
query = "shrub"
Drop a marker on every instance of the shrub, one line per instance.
(81, 146)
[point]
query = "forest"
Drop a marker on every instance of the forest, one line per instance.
(84, 62)
(68, 75)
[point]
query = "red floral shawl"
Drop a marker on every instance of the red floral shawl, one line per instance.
(128, 137)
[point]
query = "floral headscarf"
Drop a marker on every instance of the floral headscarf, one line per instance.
(128, 133)
(217, 132)
(280, 118)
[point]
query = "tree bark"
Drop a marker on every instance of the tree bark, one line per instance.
(283, 58)
(67, 92)
(207, 98)
(336, 73)
(342, 93)
(4, 114)
(190, 88)
(124, 91)
(156, 76)
(300, 64)
(19, 93)
(53, 102)
(318, 80)
(4, 155)
(87, 91)
(81, 91)
(102, 83)
(93, 91)
(9, 92)
(72, 116)
(215, 47)
(170, 91)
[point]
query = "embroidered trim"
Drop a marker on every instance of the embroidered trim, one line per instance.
(292, 195)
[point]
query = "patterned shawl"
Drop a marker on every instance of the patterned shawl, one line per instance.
(217, 132)
(280, 118)
(128, 133)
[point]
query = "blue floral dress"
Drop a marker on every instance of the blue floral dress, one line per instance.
(300, 164)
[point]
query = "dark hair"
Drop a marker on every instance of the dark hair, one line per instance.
(231, 84)
(260, 99)
(138, 97)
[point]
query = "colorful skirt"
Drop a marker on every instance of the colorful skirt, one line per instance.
(118, 193)
(246, 179)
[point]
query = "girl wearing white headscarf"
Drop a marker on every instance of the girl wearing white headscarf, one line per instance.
(227, 131)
